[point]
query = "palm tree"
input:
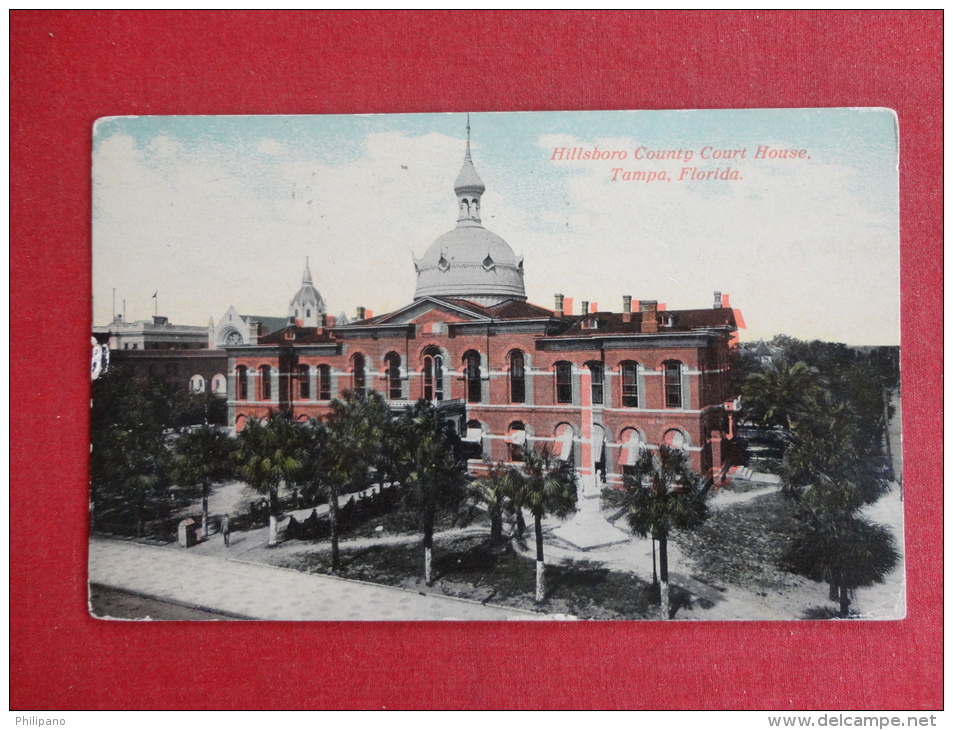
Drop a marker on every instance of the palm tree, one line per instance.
(343, 450)
(828, 448)
(202, 458)
(430, 472)
(269, 457)
(546, 487)
(777, 396)
(494, 492)
(661, 494)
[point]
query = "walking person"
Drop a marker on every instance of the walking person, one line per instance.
(226, 531)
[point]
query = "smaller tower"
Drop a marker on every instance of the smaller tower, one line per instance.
(307, 307)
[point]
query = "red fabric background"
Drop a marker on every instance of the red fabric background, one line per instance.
(68, 68)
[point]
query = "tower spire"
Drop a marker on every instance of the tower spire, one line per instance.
(469, 188)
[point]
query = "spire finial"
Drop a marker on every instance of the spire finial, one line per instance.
(468, 134)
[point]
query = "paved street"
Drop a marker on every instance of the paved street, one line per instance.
(273, 594)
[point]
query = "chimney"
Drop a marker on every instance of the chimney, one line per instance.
(717, 304)
(594, 307)
(649, 307)
(559, 305)
(724, 301)
(360, 313)
(627, 308)
(585, 307)
(567, 305)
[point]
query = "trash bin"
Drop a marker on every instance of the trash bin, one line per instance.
(188, 533)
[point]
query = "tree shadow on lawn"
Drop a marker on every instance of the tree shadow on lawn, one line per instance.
(473, 568)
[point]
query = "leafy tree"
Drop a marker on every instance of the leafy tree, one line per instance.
(845, 550)
(128, 460)
(270, 456)
(546, 487)
(661, 494)
(202, 458)
(431, 474)
(343, 451)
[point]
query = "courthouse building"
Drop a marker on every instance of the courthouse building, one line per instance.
(596, 387)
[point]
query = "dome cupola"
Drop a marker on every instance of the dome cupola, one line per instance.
(307, 306)
(470, 262)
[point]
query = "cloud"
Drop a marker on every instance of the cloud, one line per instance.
(271, 147)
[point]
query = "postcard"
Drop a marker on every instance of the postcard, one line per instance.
(626, 365)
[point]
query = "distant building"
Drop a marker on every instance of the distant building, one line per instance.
(157, 334)
(158, 350)
(764, 353)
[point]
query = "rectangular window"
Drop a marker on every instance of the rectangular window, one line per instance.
(673, 385)
(596, 375)
(324, 382)
(630, 386)
(563, 382)
(266, 383)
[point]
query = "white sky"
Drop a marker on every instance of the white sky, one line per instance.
(214, 211)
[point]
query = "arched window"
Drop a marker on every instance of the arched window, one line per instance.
(596, 381)
(564, 439)
(218, 384)
(474, 386)
(241, 383)
(360, 376)
(307, 313)
(324, 382)
(433, 374)
(563, 382)
(197, 384)
(395, 389)
(517, 377)
(633, 444)
(673, 384)
(516, 440)
(676, 439)
(303, 378)
(265, 372)
(630, 384)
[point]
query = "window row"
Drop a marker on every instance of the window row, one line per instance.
(300, 383)
(434, 385)
(631, 443)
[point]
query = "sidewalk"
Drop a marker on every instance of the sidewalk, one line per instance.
(271, 594)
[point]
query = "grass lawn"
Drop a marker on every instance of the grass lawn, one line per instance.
(469, 567)
(741, 545)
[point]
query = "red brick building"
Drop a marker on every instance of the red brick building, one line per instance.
(597, 387)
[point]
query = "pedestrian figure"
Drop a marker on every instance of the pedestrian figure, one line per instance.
(226, 531)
